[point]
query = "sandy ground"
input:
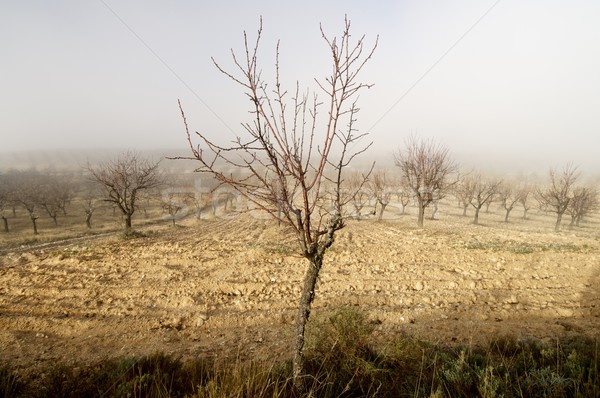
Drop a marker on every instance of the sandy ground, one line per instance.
(230, 287)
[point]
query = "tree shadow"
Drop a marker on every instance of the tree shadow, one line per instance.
(590, 298)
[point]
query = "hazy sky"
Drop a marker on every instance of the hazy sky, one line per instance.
(523, 86)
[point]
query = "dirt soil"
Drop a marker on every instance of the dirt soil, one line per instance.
(230, 287)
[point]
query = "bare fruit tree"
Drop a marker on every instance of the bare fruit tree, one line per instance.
(55, 194)
(583, 202)
(403, 194)
(426, 167)
(6, 198)
(172, 203)
(556, 196)
(90, 195)
(123, 179)
(484, 190)
(508, 193)
(288, 154)
(525, 194)
(464, 191)
(27, 194)
(381, 190)
(359, 196)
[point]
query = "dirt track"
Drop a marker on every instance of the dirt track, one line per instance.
(230, 287)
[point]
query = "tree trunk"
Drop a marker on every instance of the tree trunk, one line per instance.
(54, 219)
(308, 295)
(435, 210)
(5, 220)
(33, 221)
(173, 220)
(558, 220)
(525, 213)
(506, 215)
(421, 216)
(403, 208)
(465, 210)
(88, 220)
(577, 221)
(357, 210)
(381, 210)
(476, 218)
(128, 221)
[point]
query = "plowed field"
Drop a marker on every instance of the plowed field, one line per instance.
(230, 287)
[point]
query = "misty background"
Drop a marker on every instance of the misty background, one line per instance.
(507, 86)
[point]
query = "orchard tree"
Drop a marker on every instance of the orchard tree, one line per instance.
(6, 198)
(289, 153)
(525, 194)
(90, 195)
(403, 193)
(381, 190)
(54, 196)
(484, 190)
(464, 190)
(583, 202)
(557, 195)
(426, 168)
(172, 203)
(28, 195)
(124, 179)
(358, 195)
(508, 193)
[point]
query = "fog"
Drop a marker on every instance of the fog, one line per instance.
(505, 85)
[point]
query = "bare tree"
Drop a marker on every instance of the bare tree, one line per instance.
(524, 195)
(426, 167)
(289, 156)
(54, 194)
(356, 192)
(6, 198)
(124, 179)
(403, 193)
(557, 195)
(173, 202)
(491, 200)
(197, 199)
(508, 193)
(89, 206)
(583, 202)
(90, 196)
(380, 187)
(464, 190)
(27, 194)
(483, 191)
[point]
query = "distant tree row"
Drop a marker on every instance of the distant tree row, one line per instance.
(35, 192)
(426, 174)
(119, 183)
